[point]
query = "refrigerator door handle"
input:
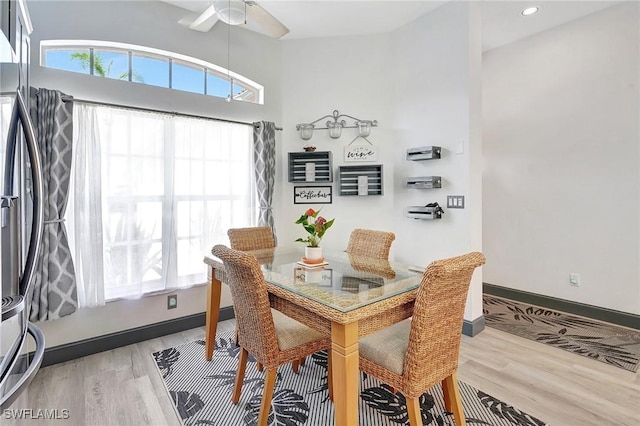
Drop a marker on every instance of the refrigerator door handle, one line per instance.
(10, 155)
(21, 115)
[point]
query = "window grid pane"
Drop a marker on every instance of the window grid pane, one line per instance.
(152, 71)
(187, 78)
(111, 64)
(75, 60)
(217, 86)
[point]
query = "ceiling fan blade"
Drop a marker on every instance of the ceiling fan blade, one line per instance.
(200, 22)
(265, 22)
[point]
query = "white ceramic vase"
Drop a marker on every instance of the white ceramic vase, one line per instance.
(313, 252)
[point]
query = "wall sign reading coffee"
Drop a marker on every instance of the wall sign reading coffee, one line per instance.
(311, 195)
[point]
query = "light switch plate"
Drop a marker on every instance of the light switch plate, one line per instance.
(455, 201)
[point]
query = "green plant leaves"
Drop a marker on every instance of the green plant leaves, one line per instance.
(316, 230)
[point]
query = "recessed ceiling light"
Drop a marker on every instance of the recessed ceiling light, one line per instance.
(529, 11)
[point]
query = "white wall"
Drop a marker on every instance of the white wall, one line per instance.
(352, 75)
(151, 24)
(437, 102)
(422, 84)
(561, 148)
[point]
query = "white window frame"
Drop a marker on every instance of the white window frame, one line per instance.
(221, 72)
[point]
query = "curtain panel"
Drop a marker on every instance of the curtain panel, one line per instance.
(54, 290)
(264, 159)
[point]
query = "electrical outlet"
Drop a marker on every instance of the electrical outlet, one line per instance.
(172, 301)
(574, 280)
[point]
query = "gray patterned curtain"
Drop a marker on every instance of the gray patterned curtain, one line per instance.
(264, 159)
(54, 288)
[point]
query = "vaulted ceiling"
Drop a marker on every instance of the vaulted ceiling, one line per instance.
(502, 21)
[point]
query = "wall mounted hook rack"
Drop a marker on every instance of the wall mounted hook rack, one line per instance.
(335, 123)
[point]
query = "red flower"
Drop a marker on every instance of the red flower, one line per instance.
(310, 212)
(320, 221)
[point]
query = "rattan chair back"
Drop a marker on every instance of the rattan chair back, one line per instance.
(254, 238)
(436, 326)
(254, 321)
(370, 243)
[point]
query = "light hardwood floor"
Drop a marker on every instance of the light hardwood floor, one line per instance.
(123, 387)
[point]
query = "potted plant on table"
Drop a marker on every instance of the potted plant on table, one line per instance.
(315, 226)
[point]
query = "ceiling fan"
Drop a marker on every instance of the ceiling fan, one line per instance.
(236, 12)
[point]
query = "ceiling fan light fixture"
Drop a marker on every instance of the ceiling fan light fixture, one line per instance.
(232, 12)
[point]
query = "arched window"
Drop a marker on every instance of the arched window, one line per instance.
(150, 66)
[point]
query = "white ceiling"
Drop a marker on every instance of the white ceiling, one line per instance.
(501, 20)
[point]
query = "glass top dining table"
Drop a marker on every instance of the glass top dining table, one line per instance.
(343, 282)
(349, 297)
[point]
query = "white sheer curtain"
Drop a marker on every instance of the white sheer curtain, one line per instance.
(163, 191)
(84, 209)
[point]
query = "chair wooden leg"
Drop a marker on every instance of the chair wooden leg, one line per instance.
(242, 366)
(453, 390)
(295, 366)
(413, 409)
(260, 367)
(329, 375)
(392, 389)
(302, 360)
(445, 394)
(267, 393)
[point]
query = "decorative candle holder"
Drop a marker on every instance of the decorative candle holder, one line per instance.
(335, 129)
(306, 131)
(364, 128)
(335, 124)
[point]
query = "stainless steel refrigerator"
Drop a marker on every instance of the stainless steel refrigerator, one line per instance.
(21, 208)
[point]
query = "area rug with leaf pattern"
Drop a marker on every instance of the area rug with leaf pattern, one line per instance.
(201, 393)
(618, 346)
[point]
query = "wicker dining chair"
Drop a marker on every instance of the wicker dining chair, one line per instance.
(254, 238)
(422, 351)
(371, 243)
(271, 337)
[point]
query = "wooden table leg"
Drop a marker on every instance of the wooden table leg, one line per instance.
(346, 372)
(213, 313)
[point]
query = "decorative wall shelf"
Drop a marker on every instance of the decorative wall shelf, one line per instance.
(425, 212)
(302, 163)
(360, 179)
(433, 210)
(423, 153)
(424, 182)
